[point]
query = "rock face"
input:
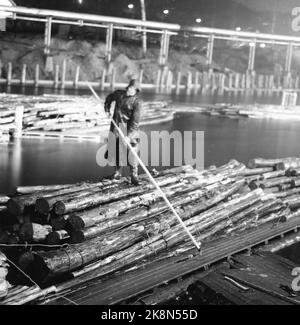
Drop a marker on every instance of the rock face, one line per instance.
(127, 59)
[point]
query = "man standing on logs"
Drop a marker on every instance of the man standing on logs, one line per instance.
(127, 115)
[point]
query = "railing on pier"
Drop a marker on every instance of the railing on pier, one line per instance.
(166, 30)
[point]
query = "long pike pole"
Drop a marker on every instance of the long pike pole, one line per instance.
(163, 195)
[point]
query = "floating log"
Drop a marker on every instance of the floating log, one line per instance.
(262, 163)
(42, 188)
(292, 163)
(256, 171)
(3, 199)
(276, 182)
(274, 174)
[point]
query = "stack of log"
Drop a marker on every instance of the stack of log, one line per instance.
(59, 113)
(94, 229)
(4, 285)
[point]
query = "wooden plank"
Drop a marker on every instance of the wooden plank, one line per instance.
(122, 286)
(266, 274)
(220, 286)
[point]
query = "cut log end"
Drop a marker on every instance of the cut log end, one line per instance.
(42, 206)
(35, 267)
(59, 208)
(280, 166)
(75, 223)
(15, 208)
(77, 237)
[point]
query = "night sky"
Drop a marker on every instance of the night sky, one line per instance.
(252, 15)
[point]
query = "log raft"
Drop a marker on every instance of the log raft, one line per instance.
(109, 226)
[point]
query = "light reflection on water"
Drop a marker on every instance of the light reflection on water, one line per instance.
(35, 162)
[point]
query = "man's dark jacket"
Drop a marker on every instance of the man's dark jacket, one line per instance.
(128, 110)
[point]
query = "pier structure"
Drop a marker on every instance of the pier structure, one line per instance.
(166, 31)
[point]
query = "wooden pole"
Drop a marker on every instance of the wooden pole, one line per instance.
(113, 77)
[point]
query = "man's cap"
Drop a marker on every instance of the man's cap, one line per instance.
(133, 83)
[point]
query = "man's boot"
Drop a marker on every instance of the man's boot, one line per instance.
(134, 176)
(117, 174)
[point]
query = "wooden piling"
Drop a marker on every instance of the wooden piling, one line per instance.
(237, 81)
(189, 81)
(56, 76)
(158, 79)
(63, 74)
(267, 81)
(260, 81)
(169, 80)
(36, 75)
(23, 75)
(196, 82)
(297, 83)
(230, 80)
(164, 77)
(76, 79)
(221, 81)
(178, 82)
(113, 79)
(9, 73)
(243, 85)
(141, 75)
(271, 82)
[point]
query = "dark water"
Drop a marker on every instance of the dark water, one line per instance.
(35, 162)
